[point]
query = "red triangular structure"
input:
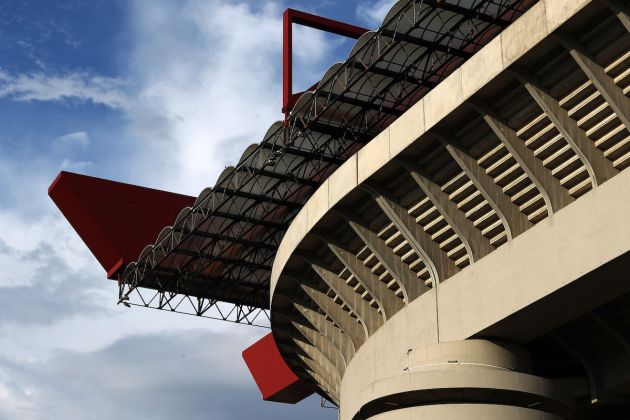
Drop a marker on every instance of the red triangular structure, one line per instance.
(274, 377)
(115, 220)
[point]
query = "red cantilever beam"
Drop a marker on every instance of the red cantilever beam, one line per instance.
(325, 24)
(275, 379)
(115, 220)
(292, 16)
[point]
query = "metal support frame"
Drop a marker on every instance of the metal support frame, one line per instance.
(240, 241)
(282, 178)
(396, 76)
(306, 154)
(324, 143)
(222, 260)
(251, 196)
(427, 44)
(383, 43)
(185, 304)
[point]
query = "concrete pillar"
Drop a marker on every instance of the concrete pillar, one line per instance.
(470, 379)
(466, 412)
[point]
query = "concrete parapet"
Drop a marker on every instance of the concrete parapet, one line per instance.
(429, 239)
(485, 65)
(442, 374)
(473, 412)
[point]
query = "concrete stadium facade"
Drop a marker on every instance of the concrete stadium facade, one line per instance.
(471, 261)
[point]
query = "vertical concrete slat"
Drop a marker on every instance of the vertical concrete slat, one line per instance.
(313, 368)
(514, 221)
(554, 194)
(439, 265)
(333, 376)
(599, 168)
(385, 297)
(368, 315)
(612, 93)
(324, 344)
(340, 339)
(355, 330)
(478, 246)
(412, 287)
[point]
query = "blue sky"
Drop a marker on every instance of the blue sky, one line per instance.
(161, 93)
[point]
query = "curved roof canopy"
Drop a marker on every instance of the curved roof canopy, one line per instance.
(222, 248)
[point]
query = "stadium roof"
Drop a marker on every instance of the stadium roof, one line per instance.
(215, 260)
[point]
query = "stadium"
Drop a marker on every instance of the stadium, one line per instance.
(438, 228)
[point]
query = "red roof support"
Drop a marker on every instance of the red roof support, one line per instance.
(290, 17)
(275, 379)
(115, 220)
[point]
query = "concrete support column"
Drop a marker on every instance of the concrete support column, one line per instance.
(470, 379)
(466, 412)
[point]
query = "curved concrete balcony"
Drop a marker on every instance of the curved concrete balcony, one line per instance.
(421, 277)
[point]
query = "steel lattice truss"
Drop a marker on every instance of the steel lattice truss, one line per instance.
(215, 261)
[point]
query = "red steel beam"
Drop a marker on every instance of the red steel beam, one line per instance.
(115, 220)
(290, 17)
(275, 379)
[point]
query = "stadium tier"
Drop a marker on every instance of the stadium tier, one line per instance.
(438, 229)
(221, 248)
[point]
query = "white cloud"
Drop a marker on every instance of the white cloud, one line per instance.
(54, 294)
(206, 83)
(81, 138)
(192, 375)
(83, 86)
(209, 79)
(71, 165)
(54, 291)
(373, 12)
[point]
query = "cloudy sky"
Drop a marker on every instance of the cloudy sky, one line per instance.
(161, 93)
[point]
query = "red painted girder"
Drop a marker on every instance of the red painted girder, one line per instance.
(275, 379)
(290, 17)
(115, 220)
